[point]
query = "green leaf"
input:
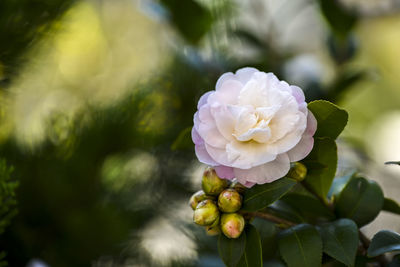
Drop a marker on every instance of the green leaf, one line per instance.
(382, 242)
(324, 152)
(308, 207)
(252, 256)
(361, 200)
(338, 184)
(260, 196)
(231, 249)
(391, 206)
(301, 246)
(331, 119)
(340, 240)
(268, 232)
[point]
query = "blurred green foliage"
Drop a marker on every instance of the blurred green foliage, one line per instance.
(93, 186)
(22, 23)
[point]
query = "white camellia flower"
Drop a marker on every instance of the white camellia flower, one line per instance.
(252, 126)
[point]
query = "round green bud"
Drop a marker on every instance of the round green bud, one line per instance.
(213, 229)
(232, 224)
(197, 197)
(229, 201)
(298, 171)
(206, 213)
(239, 187)
(212, 184)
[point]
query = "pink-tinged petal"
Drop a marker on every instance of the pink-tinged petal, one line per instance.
(244, 74)
(298, 94)
(218, 154)
(245, 155)
(224, 172)
(306, 143)
(267, 172)
(203, 99)
(197, 140)
(311, 124)
(248, 184)
(224, 121)
(203, 155)
(302, 149)
(227, 94)
(224, 77)
(208, 130)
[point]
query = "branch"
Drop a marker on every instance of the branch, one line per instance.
(271, 218)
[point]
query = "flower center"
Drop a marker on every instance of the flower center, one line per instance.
(253, 124)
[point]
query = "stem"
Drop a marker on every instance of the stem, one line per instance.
(271, 218)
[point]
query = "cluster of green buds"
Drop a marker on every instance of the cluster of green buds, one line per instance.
(216, 206)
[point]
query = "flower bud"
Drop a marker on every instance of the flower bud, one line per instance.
(229, 201)
(232, 224)
(214, 228)
(211, 183)
(239, 187)
(197, 197)
(298, 171)
(206, 213)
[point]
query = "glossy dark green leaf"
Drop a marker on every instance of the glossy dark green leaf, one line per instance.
(338, 184)
(391, 206)
(285, 211)
(324, 152)
(308, 207)
(361, 200)
(231, 249)
(340, 240)
(384, 241)
(252, 255)
(301, 246)
(260, 196)
(330, 118)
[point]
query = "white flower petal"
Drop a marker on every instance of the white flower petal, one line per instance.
(203, 156)
(305, 145)
(225, 172)
(246, 155)
(208, 130)
(291, 138)
(254, 92)
(311, 124)
(227, 94)
(224, 121)
(244, 74)
(267, 172)
(197, 140)
(218, 154)
(298, 94)
(302, 149)
(203, 99)
(224, 77)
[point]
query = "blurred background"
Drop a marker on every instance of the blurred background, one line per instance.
(96, 106)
